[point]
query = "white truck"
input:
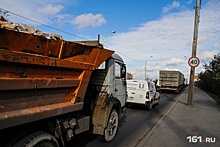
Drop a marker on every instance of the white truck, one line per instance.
(171, 80)
(143, 93)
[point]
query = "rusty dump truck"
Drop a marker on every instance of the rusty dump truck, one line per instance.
(52, 89)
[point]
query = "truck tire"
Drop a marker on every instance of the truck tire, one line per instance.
(38, 139)
(112, 127)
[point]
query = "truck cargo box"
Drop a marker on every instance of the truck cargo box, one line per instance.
(41, 77)
(171, 80)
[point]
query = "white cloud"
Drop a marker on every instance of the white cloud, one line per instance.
(162, 39)
(50, 9)
(45, 12)
(139, 73)
(88, 20)
(152, 68)
(204, 38)
(189, 2)
(176, 61)
(168, 8)
(216, 46)
(169, 39)
(208, 55)
(40, 11)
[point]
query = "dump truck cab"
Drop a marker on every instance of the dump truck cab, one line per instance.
(107, 94)
(110, 77)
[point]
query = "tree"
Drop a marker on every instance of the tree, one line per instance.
(210, 79)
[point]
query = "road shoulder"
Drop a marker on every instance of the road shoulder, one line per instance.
(182, 121)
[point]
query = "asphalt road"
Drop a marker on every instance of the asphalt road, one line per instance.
(133, 128)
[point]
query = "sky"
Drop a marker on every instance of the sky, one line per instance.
(157, 34)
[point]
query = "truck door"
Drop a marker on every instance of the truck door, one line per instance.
(120, 83)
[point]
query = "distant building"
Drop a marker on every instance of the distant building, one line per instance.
(129, 76)
(196, 78)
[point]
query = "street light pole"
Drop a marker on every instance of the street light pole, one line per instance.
(106, 36)
(145, 70)
(194, 46)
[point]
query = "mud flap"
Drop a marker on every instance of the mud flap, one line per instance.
(101, 112)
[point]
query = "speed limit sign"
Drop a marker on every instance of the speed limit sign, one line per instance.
(193, 61)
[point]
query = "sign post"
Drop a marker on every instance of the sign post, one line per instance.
(193, 60)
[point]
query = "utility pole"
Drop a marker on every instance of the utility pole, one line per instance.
(194, 46)
(145, 70)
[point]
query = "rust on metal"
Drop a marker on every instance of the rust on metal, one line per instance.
(21, 116)
(41, 77)
(30, 83)
(17, 57)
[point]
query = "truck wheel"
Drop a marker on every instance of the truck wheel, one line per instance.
(112, 127)
(38, 139)
(150, 106)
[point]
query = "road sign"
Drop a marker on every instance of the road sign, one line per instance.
(193, 61)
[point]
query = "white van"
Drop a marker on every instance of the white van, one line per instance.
(142, 92)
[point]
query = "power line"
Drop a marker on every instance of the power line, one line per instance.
(43, 24)
(129, 57)
(59, 30)
(126, 56)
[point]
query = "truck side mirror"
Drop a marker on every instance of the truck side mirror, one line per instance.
(123, 72)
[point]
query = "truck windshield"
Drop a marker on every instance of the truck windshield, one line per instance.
(102, 66)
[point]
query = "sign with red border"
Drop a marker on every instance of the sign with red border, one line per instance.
(193, 61)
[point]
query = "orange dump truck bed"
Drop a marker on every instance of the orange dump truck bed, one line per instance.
(41, 78)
